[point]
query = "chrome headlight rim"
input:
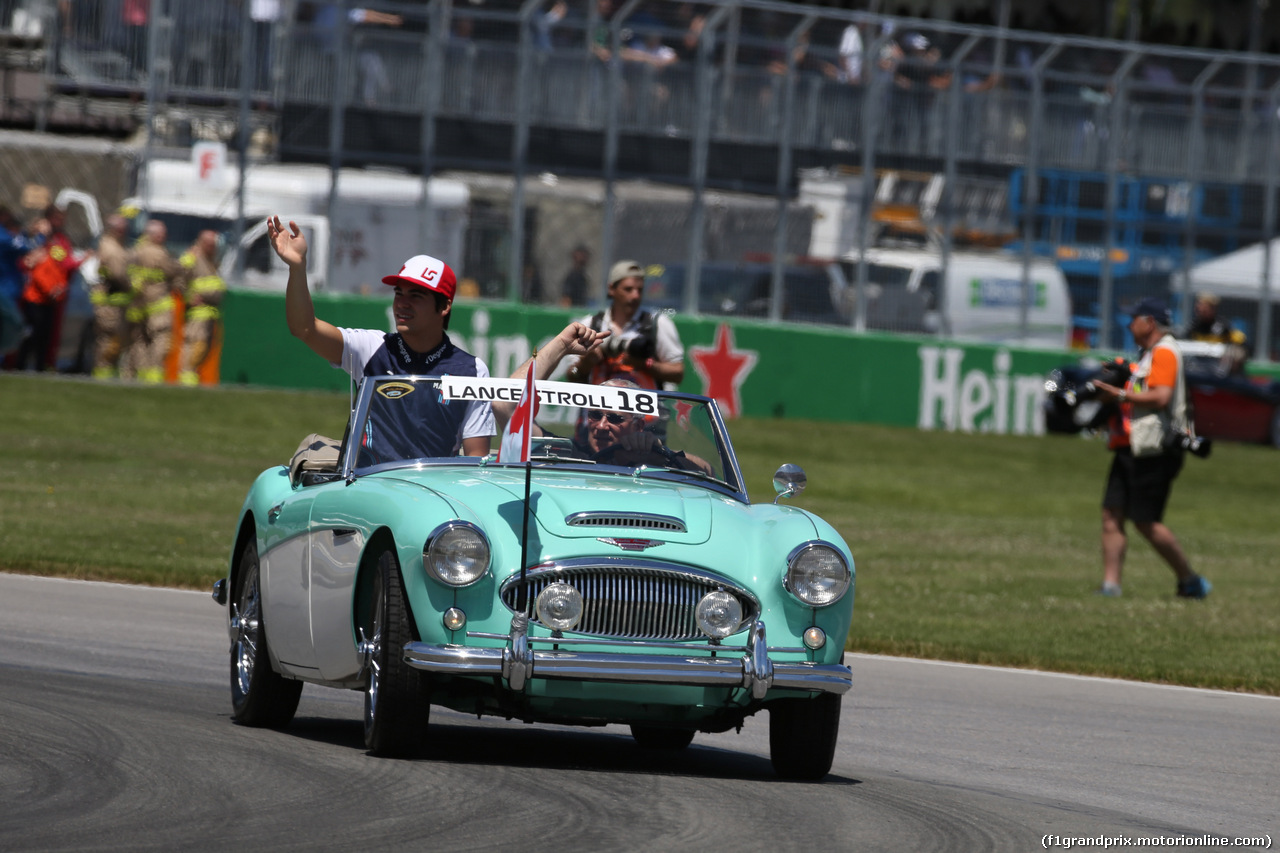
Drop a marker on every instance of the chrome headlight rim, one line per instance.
(434, 540)
(790, 581)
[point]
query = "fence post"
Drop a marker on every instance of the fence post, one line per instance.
(1263, 347)
(698, 158)
(946, 203)
(434, 44)
(520, 154)
(870, 130)
(155, 90)
(248, 54)
(1032, 188)
(1119, 102)
(337, 121)
(783, 185)
(1195, 166)
(613, 92)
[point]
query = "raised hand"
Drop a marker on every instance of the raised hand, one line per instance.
(580, 339)
(289, 243)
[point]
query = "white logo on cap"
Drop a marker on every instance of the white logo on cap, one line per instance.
(424, 268)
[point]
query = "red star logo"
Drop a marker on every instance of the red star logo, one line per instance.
(683, 410)
(723, 370)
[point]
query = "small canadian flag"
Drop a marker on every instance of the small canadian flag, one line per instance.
(518, 433)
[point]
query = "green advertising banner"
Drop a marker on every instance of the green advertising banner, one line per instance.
(751, 368)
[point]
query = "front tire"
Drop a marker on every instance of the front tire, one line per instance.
(260, 696)
(802, 736)
(396, 703)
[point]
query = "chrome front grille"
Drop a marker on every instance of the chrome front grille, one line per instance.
(629, 520)
(640, 602)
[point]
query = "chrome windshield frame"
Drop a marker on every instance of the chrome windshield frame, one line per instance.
(732, 484)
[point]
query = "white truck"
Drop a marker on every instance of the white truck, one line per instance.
(979, 300)
(375, 224)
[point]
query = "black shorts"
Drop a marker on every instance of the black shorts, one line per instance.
(1139, 488)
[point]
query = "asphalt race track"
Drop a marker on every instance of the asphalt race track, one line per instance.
(115, 734)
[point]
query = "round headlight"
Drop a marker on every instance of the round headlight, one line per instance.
(456, 554)
(719, 614)
(559, 606)
(817, 574)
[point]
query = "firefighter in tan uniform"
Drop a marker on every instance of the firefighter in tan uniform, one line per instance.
(204, 290)
(154, 276)
(111, 297)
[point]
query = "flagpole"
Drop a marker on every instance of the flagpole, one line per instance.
(523, 602)
(524, 541)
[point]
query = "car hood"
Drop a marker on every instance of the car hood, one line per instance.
(570, 505)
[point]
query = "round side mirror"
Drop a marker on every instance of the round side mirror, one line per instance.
(789, 481)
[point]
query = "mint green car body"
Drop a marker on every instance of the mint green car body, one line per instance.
(319, 540)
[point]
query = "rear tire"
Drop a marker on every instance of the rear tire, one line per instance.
(260, 696)
(396, 702)
(802, 736)
(656, 737)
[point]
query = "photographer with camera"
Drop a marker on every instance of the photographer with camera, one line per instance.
(644, 346)
(1149, 434)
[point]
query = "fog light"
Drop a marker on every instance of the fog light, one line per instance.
(559, 607)
(454, 619)
(815, 638)
(719, 614)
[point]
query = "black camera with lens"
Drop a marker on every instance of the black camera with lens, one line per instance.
(637, 345)
(641, 347)
(1196, 445)
(1072, 401)
(1115, 373)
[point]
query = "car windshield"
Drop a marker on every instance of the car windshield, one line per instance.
(576, 425)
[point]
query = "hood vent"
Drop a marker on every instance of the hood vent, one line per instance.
(627, 520)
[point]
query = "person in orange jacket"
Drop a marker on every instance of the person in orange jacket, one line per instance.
(49, 269)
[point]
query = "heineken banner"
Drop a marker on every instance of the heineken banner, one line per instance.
(751, 368)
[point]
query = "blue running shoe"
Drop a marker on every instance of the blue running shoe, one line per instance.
(1196, 587)
(1110, 590)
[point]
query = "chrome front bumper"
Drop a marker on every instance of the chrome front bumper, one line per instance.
(519, 661)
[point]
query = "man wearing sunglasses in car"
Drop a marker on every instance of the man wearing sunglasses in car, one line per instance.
(618, 438)
(615, 438)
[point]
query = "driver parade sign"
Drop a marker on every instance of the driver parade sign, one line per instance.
(637, 401)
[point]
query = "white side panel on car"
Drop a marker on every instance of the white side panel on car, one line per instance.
(335, 557)
(286, 572)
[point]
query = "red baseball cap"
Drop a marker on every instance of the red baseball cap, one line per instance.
(428, 273)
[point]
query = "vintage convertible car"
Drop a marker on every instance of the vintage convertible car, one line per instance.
(633, 583)
(1227, 403)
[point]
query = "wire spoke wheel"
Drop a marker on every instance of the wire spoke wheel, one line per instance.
(396, 702)
(260, 696)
